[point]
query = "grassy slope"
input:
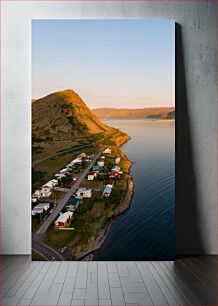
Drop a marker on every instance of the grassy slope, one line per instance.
(62, 121)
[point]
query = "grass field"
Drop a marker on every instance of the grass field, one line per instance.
(47, 169)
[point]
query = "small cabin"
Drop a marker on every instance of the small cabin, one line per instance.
(107, 190)
(64, 219)
(40, 208)
(91, 176)
(100, 163)
(37, 210)
(45, 206)
(36, 196)
(46, 191)
(107, 151)
(117, 159)
(113, 174)
(115, 169)
(83, 193)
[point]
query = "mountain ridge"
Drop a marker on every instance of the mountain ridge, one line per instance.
(62, 120)
(137, 113)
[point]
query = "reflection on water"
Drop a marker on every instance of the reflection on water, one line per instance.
(146, 231)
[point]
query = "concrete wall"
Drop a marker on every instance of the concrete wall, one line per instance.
(196, 208)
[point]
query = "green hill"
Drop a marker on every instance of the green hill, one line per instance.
(62, 121)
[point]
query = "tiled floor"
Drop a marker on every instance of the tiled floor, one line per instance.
(188, 281)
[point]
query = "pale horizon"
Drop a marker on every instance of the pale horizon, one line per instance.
(109, 63)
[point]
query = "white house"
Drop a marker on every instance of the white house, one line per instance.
(117, 159)
(87, 193)
(45, 206)
(51, 184)
(60, 175)
(46, 191)
(115, 169)
(64, 219)
(100, 163)
(36, 195)
(83, 193)
(79, 192)
(107, 190)
(37, 210)
(64, 170)
(78, 160)
(91, 176)
(69, 166)
(107, 150)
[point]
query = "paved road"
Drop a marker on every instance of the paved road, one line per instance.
(41, 231)
(47, 252)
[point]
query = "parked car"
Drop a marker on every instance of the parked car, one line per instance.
(63, 249)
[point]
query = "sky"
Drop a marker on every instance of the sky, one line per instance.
(109, 63)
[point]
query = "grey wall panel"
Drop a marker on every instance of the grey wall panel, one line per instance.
(196, 211)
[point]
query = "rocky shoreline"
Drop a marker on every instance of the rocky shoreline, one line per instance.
(120, 209)
(125, 204)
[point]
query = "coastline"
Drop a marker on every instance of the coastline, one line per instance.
(121, 208)
(138, 119)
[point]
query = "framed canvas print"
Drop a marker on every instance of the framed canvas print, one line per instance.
(103, 139)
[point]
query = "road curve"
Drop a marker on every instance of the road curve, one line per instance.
(47, 252)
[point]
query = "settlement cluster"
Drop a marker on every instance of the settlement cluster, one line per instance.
(65, 218)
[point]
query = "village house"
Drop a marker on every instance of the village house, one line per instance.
(77, 160)
(37, 210)
(91, 176)
(117, 159)
(46, 192)
(115, 169)
(113, 174)
(36, 196)
(64, 170)
(51, 184)
(59, 176)
(69, 166)
(107, 190)
(96, 167)
(107, 150)
(64, 219)
(71, 208)
(40, 208)
(45, 206)
(83, 193)
(100, 163)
